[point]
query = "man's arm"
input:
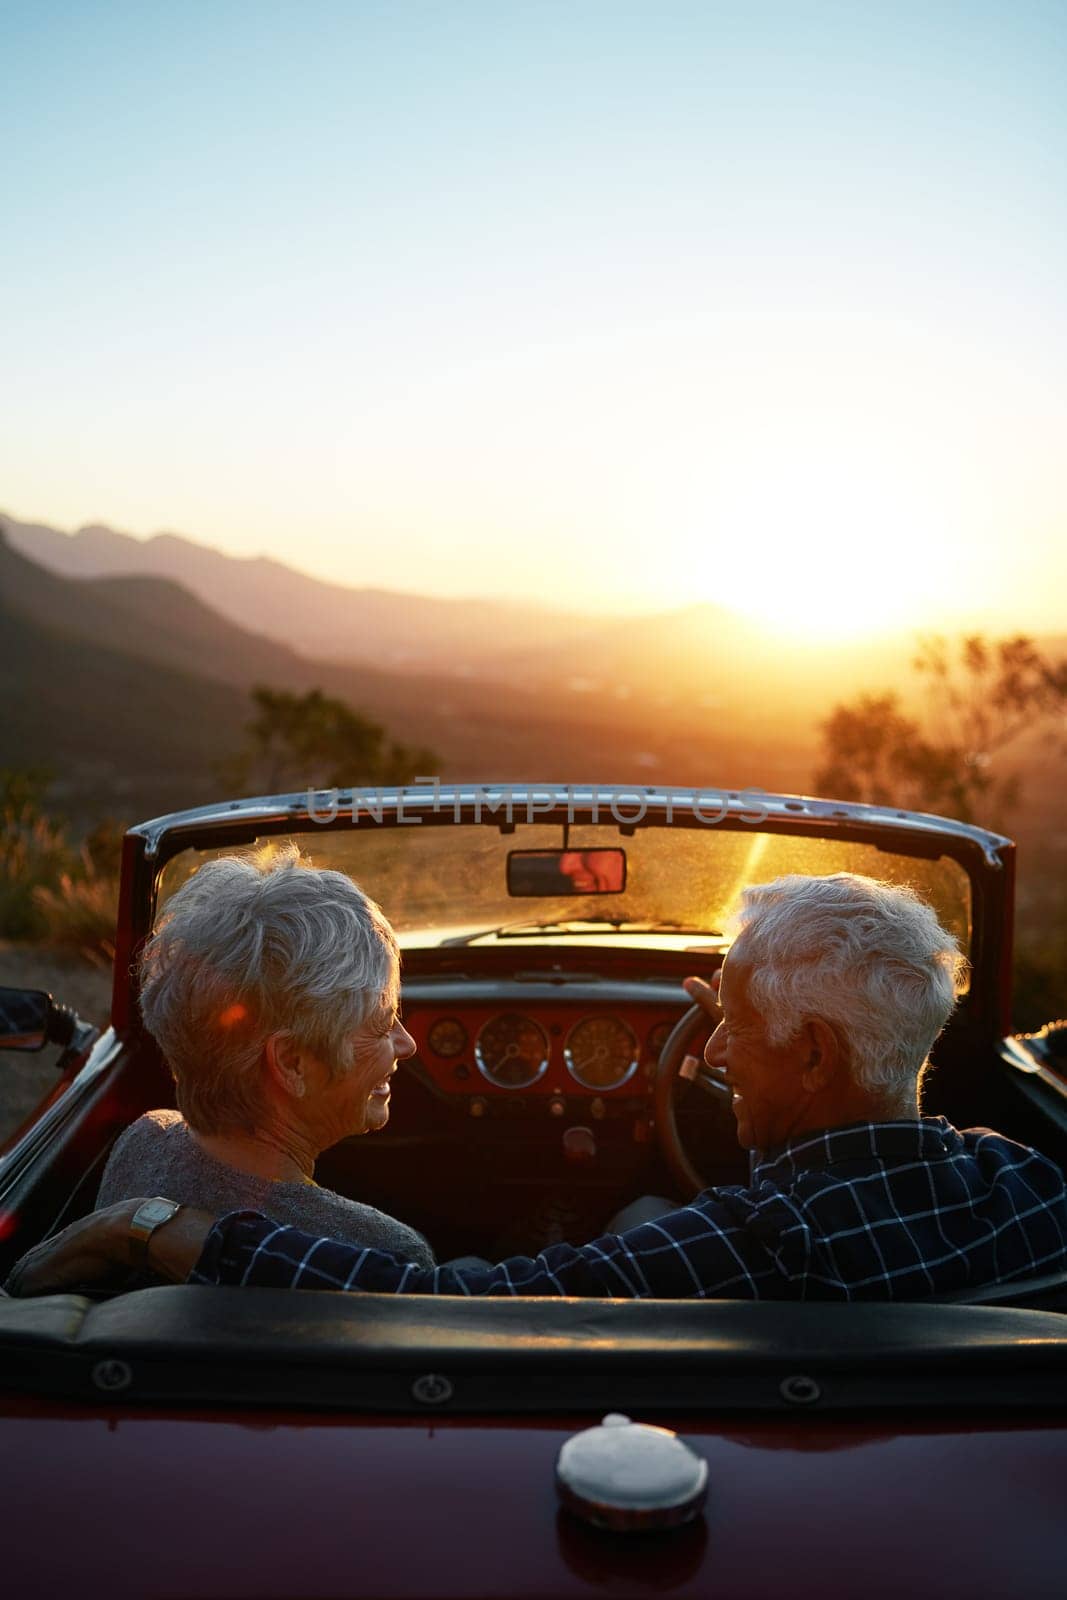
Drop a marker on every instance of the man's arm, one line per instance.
(96, 1251)
(726, 1245)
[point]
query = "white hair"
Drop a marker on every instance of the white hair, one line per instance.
(254, 945)
(868, 957)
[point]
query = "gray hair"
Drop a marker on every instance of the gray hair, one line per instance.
(254, 945)
(868, 957)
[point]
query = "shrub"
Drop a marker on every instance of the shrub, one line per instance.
(48, 889)
(78, 916)
(34, 853)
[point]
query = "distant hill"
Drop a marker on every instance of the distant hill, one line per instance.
(390, 630)
(131, 690)
(131, 686)
(147, 617)
(122, 735)
(261, 621)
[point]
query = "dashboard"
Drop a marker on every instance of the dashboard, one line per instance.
(527, 1113)
(506, 1049)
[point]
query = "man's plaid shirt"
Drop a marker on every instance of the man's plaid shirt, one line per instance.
(873, 1211)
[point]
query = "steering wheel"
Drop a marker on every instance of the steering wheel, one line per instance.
(681, 1062)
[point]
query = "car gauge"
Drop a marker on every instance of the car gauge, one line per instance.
(601, 1052)
(447, 1037)
(512, 1051)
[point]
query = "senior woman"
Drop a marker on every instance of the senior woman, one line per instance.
(271, 988)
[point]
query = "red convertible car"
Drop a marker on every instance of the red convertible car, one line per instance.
(188, 1441)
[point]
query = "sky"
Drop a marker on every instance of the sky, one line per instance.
(606, 305)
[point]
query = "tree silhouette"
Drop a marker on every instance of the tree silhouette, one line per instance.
(982, 696)
(299, 741)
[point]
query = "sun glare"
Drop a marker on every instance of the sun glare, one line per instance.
(829, 554)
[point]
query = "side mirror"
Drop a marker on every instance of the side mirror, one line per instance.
(29, 1020)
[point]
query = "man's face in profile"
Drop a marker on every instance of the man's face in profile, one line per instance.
(768, 1095)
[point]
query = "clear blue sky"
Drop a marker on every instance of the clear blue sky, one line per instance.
(587, 300)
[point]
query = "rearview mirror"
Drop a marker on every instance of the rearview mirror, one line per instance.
(566, 872)
(24, 1018)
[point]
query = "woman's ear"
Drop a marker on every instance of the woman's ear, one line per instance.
(824, 1056)
(285, 1064)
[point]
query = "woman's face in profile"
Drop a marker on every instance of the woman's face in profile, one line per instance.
(358, 1100)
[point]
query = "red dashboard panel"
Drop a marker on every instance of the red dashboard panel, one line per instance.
(572, 1051)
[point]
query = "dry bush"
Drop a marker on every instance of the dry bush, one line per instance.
(34, 853)
(79, 916)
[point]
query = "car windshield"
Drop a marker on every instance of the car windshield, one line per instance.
(443, 882)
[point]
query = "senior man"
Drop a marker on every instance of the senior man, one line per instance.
(832, 995)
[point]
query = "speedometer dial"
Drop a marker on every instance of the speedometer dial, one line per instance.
(447, 1037)
(512, 1051)
(601, 1052)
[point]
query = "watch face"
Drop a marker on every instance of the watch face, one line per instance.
(156, 1211)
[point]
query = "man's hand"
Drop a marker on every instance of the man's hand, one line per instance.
(93, 1252)
(705, 994)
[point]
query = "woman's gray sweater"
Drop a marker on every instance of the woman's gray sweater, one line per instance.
(158, 1155)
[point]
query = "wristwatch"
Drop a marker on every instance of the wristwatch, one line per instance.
(143, 1224)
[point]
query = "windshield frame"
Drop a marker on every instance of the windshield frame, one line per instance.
(986, 857)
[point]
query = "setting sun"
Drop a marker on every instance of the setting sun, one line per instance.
(828, 548)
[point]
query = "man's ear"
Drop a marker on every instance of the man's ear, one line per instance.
(285, 1064)
(824, 1055)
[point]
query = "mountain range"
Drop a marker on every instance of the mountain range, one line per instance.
(132, 691)
(700, 657)
(330, 621)
(126, 666)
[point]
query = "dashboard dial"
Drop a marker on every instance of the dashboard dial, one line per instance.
(601, 1052)
(512, 1051)
(447, 1037)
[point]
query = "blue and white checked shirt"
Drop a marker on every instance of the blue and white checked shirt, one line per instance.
(873, 1211)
